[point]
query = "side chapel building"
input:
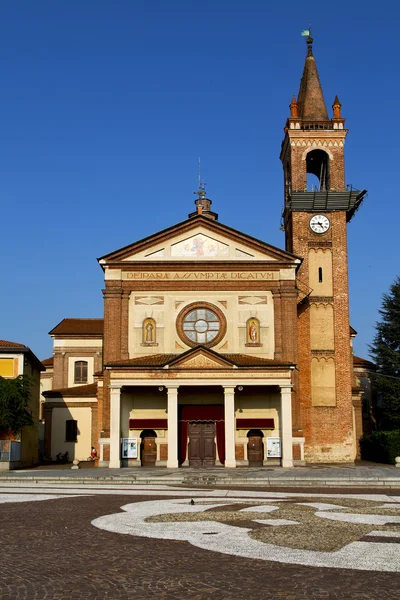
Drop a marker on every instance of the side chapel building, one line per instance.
(217, 348)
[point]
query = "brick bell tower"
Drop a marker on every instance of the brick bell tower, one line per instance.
(315, 223)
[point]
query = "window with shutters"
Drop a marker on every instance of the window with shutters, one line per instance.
(81, 371)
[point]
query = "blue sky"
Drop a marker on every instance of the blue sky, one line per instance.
(106, 107)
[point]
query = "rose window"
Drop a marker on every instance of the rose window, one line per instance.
(201, 324)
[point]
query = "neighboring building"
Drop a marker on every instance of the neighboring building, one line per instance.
(77, 356)
(17, 359)
(363, 380)
(219, 348)
(46, 384)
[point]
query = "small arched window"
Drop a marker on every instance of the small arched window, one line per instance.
(81, 371)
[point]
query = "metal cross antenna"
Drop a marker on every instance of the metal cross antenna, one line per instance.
(200, 185)
(199, 176)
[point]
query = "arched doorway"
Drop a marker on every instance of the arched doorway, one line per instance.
(148, 448)
(255, 448)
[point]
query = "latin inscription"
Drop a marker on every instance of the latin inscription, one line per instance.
(204, 275)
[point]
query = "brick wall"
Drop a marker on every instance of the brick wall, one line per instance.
(328, 430)
(61, 359)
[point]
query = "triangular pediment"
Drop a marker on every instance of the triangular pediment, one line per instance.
(200, 358)
(198, 239)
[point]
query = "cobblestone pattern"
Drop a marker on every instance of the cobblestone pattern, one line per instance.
(49, 550)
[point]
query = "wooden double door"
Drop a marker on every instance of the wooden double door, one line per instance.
(202, 451)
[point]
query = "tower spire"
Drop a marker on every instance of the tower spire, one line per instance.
(311, 101)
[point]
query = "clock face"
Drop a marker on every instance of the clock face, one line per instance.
(319, 224)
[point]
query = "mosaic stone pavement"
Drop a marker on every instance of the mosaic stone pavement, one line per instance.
(162, 542)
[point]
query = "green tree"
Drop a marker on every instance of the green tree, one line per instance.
(385, 351)
(14, 398)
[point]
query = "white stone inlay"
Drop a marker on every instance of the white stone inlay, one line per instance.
(258, 508)
(233, 540)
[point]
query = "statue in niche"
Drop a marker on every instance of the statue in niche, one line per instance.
(253, 331)
(149, 331)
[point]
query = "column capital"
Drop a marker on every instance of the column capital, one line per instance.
(115, 387)
(286, 386)
(171, 387)
(228, 389)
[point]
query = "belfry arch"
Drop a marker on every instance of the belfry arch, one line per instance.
(318, 164)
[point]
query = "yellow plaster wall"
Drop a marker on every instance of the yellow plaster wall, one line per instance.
(236, 315)
(318, 257)
(321, 327)
(323, 388)
(257, 406)
(7, 367)
(82, 447)
(146, 404)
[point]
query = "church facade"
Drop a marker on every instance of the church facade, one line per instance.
(217, 348)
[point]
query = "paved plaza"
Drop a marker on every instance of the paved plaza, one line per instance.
(95, 541)
(362, 474)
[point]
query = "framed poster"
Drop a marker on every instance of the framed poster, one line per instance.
(273, 447)
(129, 448)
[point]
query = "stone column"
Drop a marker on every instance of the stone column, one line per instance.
(115, 428)
(229, 405)
(172, 461)
(286, 425)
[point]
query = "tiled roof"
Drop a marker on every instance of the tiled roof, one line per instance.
(161, 360)
(48, 362)
(245, 360)
(79, 327)
(362, 362)
(153, 360)
(78, 391)
(5, 344)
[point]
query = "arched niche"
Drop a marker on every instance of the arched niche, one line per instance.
(149, 332)
(253, 337)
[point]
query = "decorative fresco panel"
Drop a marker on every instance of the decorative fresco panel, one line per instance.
(253, 300)
(200, 246)
(149, 300)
